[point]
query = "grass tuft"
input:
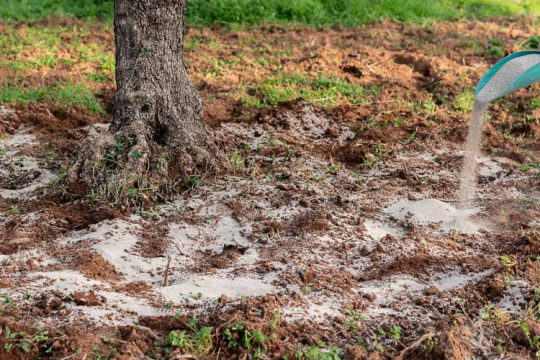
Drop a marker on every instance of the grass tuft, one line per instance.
(323, 91)
(63, 95)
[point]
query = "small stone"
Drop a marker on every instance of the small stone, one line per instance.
(432, 291)
(371, 297)
(223, 299)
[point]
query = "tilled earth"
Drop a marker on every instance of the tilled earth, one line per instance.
(338, 231)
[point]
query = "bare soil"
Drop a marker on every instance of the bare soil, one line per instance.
(301, 242)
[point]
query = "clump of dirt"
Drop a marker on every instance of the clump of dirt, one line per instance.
(94, 266)
(154, 241)
(87, 298)
(228, 256)
(311, 221)
(135, 288)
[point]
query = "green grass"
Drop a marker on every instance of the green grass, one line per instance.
(311, 12)
(63, 95)
(324, 91)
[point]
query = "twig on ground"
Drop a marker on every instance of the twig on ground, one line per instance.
(166, 275)
(414, 345)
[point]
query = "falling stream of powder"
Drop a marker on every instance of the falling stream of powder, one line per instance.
(499, 85)
(473, 147)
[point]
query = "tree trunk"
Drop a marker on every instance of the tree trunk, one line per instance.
(153, 86)
(157, 134)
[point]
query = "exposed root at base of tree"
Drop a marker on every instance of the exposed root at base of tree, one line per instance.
(129, 167)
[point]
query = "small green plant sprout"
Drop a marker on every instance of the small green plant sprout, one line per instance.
(377, 154)
(26, 342)
(136, 154)
(276, 320)
(239, 336)
(316, 353)
(238, 160)
(535, 104)
(533, 339)
(333, 168)
(14, 210)
(496, 48)
(429, 107)
(354, 322)
(495, 314)
(196, 341)
(307, 289)
(464, 102)
(62, 175)
(530, 167)
(193, 181)
(507, 261)
(532, 43)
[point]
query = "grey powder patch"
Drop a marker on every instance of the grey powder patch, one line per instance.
(430, 211)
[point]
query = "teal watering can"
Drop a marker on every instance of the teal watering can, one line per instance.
(514, 72)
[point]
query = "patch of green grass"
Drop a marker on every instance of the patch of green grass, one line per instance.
(197, 341)
(531, 167)
(316, 353)
(252, 340)
(532, 43)
(349, 12)
(39, 9)
(69, 96)
(465, 102)
(14, 95)
(496, 48)
(311, 12)
(535, 102)
(323, 91)
(63, 95)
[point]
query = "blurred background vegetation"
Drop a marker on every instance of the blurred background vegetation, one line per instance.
(310, 12)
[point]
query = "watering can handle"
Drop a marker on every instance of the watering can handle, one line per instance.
(514, 72)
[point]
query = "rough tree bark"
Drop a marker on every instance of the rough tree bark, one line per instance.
(157, 135)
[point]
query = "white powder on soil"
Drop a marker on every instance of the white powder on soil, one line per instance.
(431, 211)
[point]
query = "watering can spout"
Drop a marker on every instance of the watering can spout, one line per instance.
(514, 72)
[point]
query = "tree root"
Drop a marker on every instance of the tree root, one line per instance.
(130, 168)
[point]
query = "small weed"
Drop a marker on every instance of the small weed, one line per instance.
(535, 102)
(395, 333)
(465, 102)
(532, 43)
(239, 336)
(316, 353)
(14, 210)
(534, 340)
(136, 154)
(496, 48)
(354, 322)
(238, 160)
(333, 168)
(62, 175)
(377, 154)
(428, 107)
(528, 167)
(26, 342)
(196, 341)
(193, 181)
(507, 261)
